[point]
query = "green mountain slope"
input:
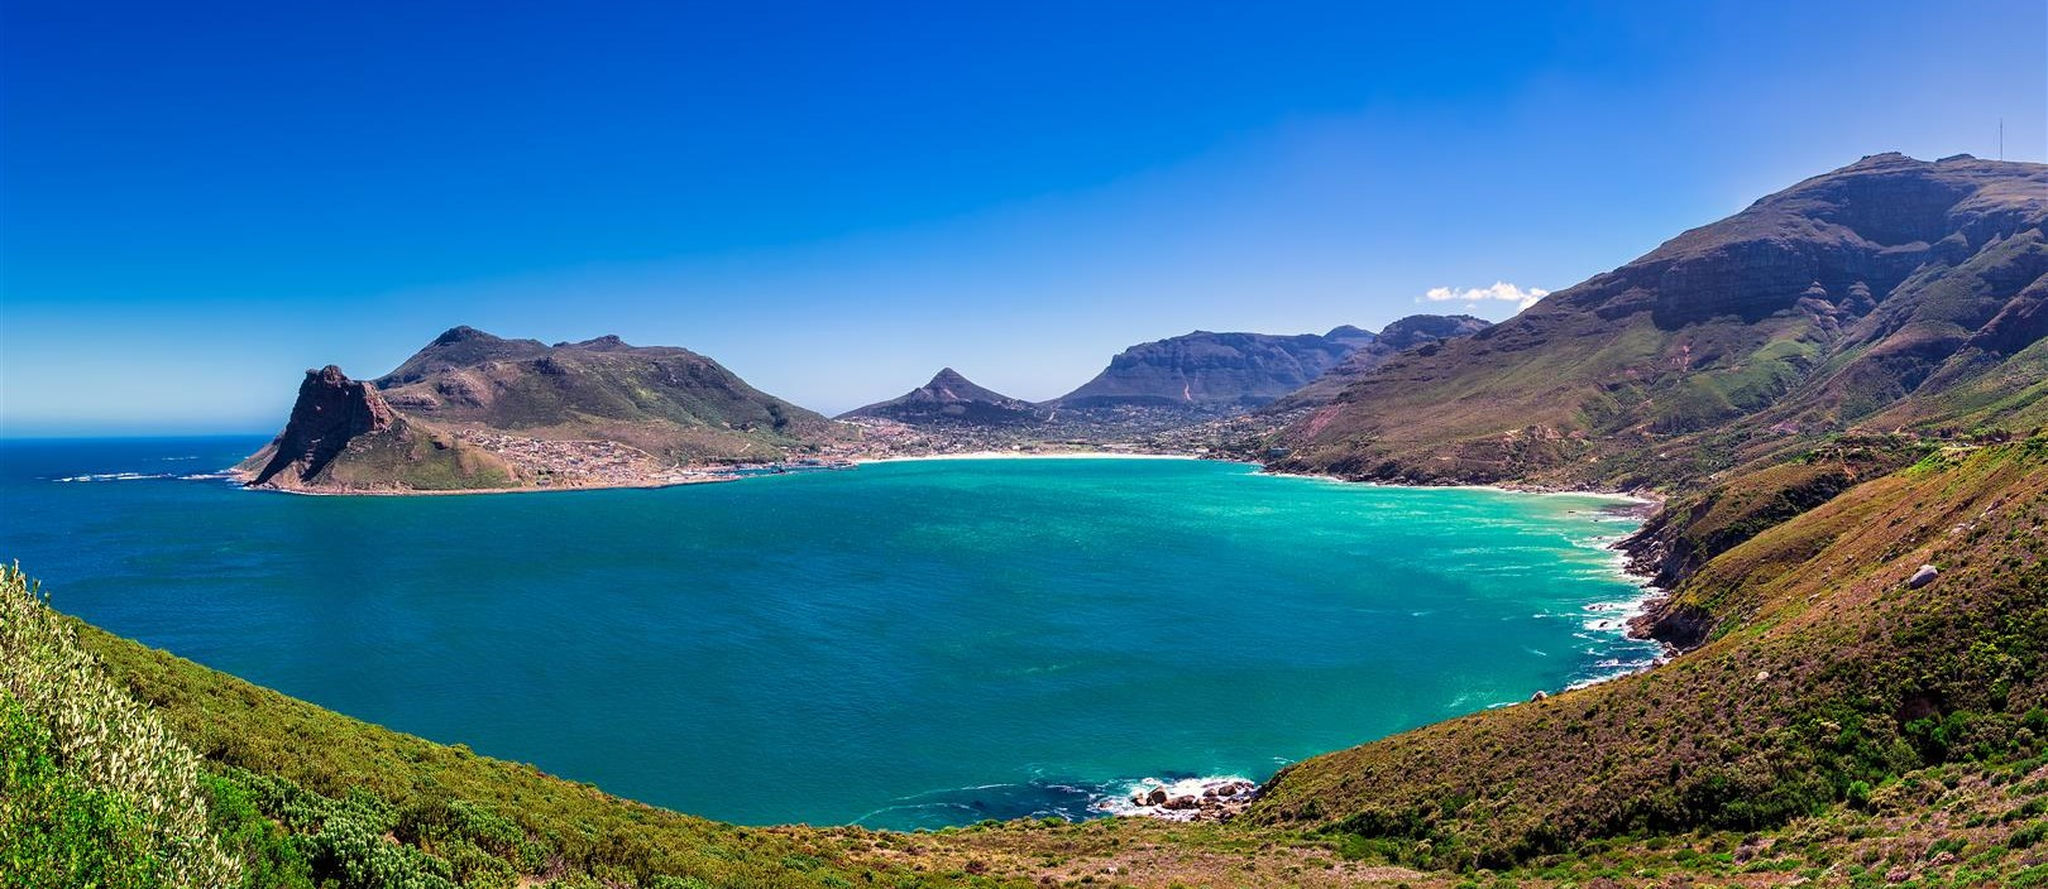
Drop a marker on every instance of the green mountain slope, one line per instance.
(1890, 293)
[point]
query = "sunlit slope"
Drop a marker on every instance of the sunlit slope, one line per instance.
(1890, 293)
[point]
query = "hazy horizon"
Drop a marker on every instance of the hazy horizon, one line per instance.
(199, 203)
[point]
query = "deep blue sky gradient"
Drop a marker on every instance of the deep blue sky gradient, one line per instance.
(200, 200)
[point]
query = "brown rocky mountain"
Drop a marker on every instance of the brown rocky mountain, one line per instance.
(331, 410)
(951, 399)
(1890, 294)
(473, 410)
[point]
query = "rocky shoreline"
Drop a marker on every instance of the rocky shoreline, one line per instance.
(1193, 799)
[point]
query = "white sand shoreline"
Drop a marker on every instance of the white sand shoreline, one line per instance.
(1014, 455)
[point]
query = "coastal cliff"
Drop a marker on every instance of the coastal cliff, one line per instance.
(343, 436)
(331, 411)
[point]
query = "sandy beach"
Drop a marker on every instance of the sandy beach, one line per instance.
(1016, 455)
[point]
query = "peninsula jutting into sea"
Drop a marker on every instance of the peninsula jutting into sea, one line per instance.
(1014, 447)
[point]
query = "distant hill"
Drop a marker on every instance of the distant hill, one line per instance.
(473, 410)
(1414, 331)
(1889, 294)
(1204, 372)
(951, 399)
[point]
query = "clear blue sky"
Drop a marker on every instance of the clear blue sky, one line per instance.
(198, 201)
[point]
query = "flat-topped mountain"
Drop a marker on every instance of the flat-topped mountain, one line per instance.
(1204, 372)
(951, 399)
(473, 410)
(1891, 293)
(1412, 332)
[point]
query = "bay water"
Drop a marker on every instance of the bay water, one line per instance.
(910, 644)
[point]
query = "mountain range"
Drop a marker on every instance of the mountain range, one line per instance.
(475, 411)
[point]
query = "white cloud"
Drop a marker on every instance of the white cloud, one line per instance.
(1501, 291)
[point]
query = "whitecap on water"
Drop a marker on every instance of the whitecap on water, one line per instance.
(114, 476)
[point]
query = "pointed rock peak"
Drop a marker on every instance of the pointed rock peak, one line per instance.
(947, 377)
(461, 333)
(331, 410)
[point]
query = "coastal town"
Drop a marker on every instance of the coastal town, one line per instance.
(597, 463)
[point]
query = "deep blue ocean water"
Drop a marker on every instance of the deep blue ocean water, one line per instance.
(902, 645)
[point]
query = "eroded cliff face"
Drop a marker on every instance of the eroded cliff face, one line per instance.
(331, 411)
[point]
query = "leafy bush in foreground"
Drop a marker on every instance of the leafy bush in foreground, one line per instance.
(98, 792)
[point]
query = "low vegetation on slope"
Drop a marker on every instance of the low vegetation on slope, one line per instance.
(1827, 677)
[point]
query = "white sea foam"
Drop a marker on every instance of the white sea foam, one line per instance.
(1221, 788)
(222, 475)
(114, 476)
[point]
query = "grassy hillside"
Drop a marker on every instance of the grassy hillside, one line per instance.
(1825, 681)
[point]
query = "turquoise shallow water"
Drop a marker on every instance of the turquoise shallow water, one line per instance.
(907, 644)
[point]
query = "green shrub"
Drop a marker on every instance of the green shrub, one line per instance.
(111, 783)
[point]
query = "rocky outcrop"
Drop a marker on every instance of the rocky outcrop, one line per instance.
(332, 410)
